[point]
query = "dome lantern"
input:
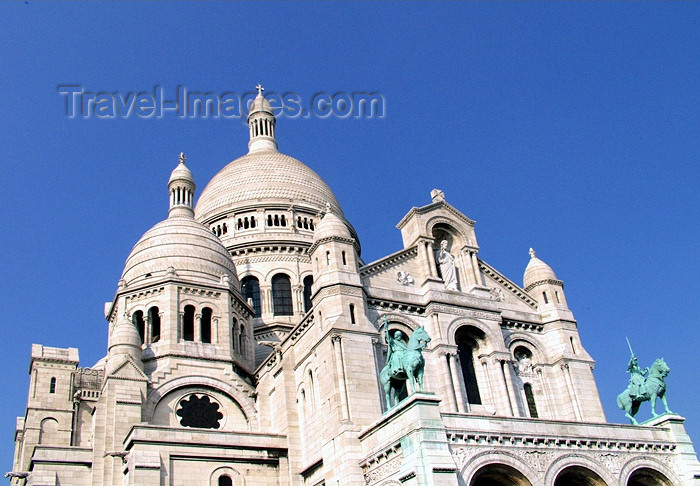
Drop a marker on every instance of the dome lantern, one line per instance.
(181, 187)
(261, 122)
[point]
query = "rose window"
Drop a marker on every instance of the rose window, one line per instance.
(199, 412)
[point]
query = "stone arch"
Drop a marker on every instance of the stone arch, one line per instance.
(238, 396)
(502, 462)
(48, 431)
(309, 378)
(647, 471)
(578, 464)
(235, 476)
(283, 270)
(399, 321)
(250, 272)
(448, 225)
(520, 338)
(492, 338)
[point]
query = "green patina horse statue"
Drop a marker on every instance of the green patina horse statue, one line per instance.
(405, 362)
(645, 389)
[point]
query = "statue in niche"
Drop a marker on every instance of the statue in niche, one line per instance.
(404, 363)
(524, 363)
(447, 266)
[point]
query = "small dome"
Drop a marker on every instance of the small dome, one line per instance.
(259, 104)
(182, 243)
(181, 173)
(331, 225)
(125, 334)
(536, 271)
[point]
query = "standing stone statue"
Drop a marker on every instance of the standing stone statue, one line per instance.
(447, 266)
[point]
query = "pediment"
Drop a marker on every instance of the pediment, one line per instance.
(395, 262)
(127, 370)
(509, 291)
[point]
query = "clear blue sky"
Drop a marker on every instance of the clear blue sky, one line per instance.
(569, 127)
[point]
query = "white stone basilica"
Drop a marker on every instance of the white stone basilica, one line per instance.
(246, 338)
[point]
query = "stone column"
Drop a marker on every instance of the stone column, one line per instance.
(570, 387)
(198, 328)
(340, 371)
(431, 259)
(502, 365)
(510, 387)
(477, 273)
(450, 386)
(466, 261)
(460, 393)
(487, 380)
(215, 330)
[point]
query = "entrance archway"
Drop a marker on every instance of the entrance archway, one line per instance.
(578, 476)
(499, 475)
(648, 477)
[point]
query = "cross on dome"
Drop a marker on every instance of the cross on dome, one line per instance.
(532, 253)
(182, 157)
(260, 89)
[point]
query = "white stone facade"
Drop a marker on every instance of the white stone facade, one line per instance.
(246, 339)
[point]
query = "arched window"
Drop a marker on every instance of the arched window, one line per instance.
(140, 324)
(154, 319)
(225, 480)
(205, 330)
(252, 222)
(530, 398)
(308, 282)
(52, 385)
(544, 295)
(188, 323)
(328, 258)
(234, 323)
(352, 314)
(241, 341)
(312, 391)
(250, 288)
(282, 295)
(466, 346)
(345, 262)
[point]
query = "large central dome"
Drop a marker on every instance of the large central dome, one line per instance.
(264, 176)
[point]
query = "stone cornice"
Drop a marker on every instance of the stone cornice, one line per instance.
(507, 283)
(257, 246)
(349, 241)
(462, 311)
(522, 325)
(385, 304)
(389, 261)
(544, 281)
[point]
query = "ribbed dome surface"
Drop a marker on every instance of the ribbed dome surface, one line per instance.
(260, 177)
(536, 271)
(187, 246)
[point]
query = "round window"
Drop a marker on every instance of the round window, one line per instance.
(199, 410)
